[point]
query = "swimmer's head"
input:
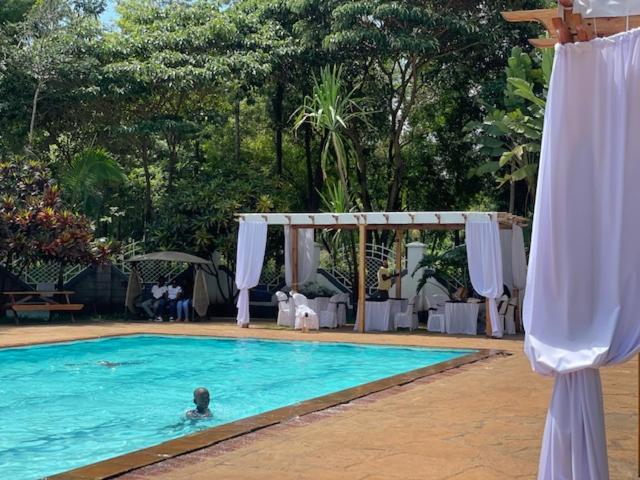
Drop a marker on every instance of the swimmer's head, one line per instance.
(201, 398)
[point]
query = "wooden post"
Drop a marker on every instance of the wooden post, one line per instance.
(487, 317)
(362, 274)
(399, 263)
(294, 259)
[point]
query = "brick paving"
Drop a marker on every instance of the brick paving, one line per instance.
(480, 421)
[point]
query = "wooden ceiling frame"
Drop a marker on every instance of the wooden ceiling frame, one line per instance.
(564, 26)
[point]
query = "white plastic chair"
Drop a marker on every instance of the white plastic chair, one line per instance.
(436, 321)
(406, 319)
(286, 314)
(329, 317)
(509, 316)
(342, 309)
(304, 314)
(503, 304)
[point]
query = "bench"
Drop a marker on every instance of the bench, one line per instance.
(37, 301)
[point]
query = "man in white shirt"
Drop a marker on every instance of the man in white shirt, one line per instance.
(154, 306)
(174, 291)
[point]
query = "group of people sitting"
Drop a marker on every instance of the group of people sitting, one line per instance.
(173, 299)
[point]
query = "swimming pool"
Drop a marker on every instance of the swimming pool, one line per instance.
(72, 404)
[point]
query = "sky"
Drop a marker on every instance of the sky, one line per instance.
(109, 15)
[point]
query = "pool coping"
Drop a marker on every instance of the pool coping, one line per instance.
(131, 461)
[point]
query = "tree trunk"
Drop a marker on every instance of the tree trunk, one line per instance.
(393, 201)
(277, 103)
(236, 116)
(173, 160)
(361, 171)
(34, 109)
(312, 196)
(512, 193)
(318, 179)
(148, 207)
(60, 285)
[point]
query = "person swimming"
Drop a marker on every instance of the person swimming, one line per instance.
(201, 400)
(106, 363)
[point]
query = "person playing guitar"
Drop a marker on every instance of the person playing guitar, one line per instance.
(385, 280)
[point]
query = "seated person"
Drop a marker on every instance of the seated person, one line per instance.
(201, 400)
(184, 303)
(154, 306)
(173, 294)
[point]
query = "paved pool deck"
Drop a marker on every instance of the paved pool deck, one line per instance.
(479, 421)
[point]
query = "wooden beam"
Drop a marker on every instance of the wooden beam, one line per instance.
(362, 274)
(543, 16)
(487, 318)
(399, 263)
(294, 258)
(564, 26)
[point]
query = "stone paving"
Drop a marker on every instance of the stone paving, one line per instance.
(481, 421)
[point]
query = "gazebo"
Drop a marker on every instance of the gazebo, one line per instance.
(200, 300)
(483, 246)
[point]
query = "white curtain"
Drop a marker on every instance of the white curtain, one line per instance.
(505, 246)
(606, 8)
(518, 267)
(252, 241)
(582, 303)
(485, 263)
(518, 258)
(200, 293)
(307, 258)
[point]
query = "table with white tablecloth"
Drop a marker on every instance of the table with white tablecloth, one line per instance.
(377, 317)
(461, 317)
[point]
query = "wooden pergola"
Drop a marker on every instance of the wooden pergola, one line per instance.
(396, 221)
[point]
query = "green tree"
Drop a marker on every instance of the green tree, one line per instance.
(513, 134)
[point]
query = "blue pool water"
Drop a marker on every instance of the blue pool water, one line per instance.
(64, 406)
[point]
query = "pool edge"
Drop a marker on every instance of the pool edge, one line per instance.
(128, 462)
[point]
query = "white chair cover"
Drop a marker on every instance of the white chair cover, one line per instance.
(406, 319)
(510, 316)
(304, 313)
(485, 263)
(436, 321)
(286, 316)
(252, 241)
(329, 317)
(342, 309)
(581, 305)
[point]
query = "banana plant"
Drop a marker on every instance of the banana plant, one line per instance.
(511, 137)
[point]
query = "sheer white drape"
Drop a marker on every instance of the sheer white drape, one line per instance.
(606, 8)
(252, 241)
(518, 258)
(582, 302)
(484, 257)
(506, 240)
(307, 261)
(200, 293)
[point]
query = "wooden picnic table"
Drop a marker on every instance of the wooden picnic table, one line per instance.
(41, 301)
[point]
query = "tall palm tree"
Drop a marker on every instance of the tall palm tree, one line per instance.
(86, 177)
